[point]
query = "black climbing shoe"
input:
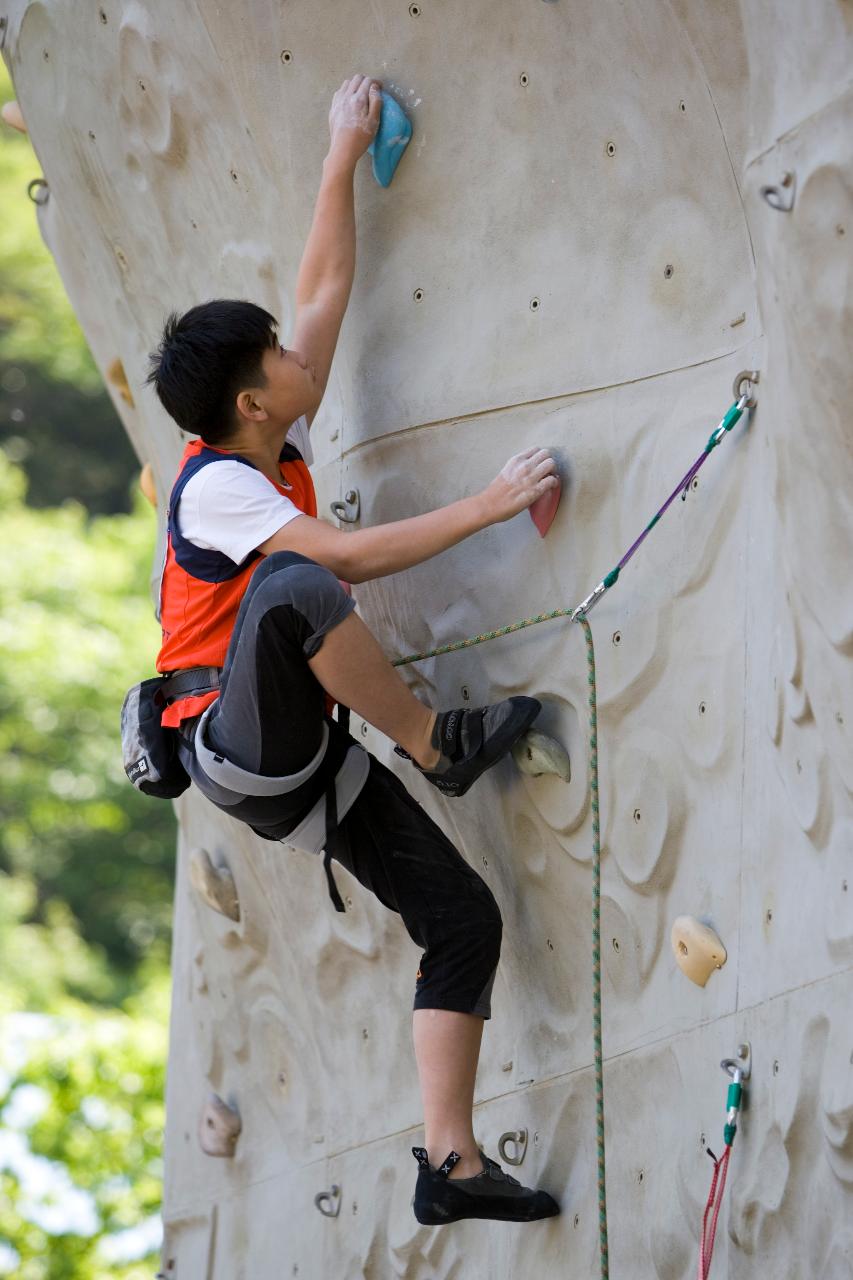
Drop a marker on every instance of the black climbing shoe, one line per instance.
(471, 741)
(490, 1194)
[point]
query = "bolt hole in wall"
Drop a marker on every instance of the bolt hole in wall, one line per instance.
(286, 56)
(610, 149)
(415, 10)
(102, 15)
(682, 106)
(668, 271)
(535, 304)
(524, 79)
(617, 637)
(418, 295)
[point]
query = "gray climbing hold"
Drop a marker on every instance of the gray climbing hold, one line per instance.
(535, 753)
(219, 1127)
(214, 885)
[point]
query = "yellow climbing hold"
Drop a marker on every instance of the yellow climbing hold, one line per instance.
(147, 485)
(117, 378)
(697, 949)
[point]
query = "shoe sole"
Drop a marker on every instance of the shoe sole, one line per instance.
(500, 744)
(439, 1220)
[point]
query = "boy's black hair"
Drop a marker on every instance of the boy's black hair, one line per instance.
(205, 358)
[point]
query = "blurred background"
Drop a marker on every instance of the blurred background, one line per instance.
(86, 863)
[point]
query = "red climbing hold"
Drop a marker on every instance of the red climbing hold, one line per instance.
(544, 509)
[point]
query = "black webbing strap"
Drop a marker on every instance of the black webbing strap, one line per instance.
(331, 827)
(192, 680)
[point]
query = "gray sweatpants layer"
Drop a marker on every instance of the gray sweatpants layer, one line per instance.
(270, 717)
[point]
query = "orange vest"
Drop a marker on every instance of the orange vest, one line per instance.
(201, 590)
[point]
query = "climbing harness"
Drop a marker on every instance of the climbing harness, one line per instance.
(743, 388)
(739, 1070)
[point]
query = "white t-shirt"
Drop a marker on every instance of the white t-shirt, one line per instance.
(232, 508)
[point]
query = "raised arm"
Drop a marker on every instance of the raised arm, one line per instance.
(388, 548)
(326, 272)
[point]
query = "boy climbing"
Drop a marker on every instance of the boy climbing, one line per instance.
(260, 639)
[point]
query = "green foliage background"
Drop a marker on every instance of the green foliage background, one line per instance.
(86, 863)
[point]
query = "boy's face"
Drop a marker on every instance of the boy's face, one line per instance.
(291, 388)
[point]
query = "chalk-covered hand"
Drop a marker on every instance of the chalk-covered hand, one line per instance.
(521, 481)
(354, 117)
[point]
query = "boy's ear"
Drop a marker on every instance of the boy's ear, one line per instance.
(248, 407)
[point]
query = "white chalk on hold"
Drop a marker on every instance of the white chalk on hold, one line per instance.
(219, 1127)
(697, 949)
(214, 885)
(535, 754)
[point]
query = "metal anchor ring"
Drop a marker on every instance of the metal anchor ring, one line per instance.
(329, 1202)
(750, 377)
(739, 1068)
(39, 191)
(348, 511)
(519, 1138)
(781, 197)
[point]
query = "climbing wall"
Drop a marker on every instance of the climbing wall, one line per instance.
(607, 212)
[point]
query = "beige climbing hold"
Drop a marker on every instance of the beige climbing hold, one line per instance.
(214, 885)
(697, 949)
(219, 1127)
(147, 485)
(13, 116)
(535, 753)
(117, 378)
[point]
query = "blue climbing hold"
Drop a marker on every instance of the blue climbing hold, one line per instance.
(392, 138)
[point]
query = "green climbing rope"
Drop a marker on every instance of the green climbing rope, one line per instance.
(481, 639)
(596, 948)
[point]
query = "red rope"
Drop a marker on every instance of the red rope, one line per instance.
(715, 1203)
